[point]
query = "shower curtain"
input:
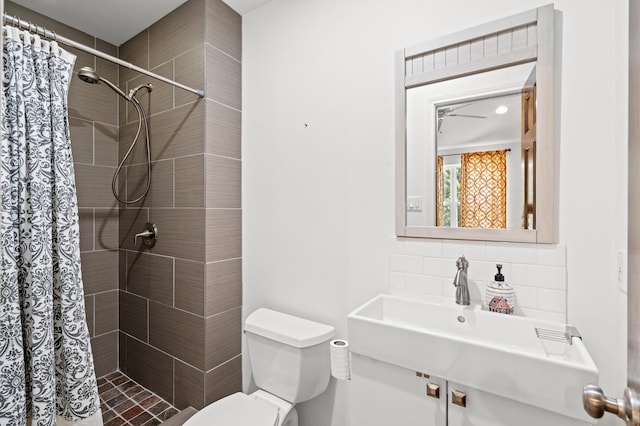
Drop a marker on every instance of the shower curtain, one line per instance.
(46, 366)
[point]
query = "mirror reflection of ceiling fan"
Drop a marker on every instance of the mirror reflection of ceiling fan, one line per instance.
(449, 112)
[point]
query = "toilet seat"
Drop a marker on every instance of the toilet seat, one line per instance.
(237, 409)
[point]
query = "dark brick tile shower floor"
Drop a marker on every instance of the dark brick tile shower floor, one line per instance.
(125, 402)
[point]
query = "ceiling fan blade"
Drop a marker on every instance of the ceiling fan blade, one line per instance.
(466, 115)
(453, 108)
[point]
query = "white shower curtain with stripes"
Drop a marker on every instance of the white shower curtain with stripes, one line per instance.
(46, 366)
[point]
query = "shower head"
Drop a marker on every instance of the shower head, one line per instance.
(89, 75)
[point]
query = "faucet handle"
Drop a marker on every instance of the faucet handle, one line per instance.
(462, 262)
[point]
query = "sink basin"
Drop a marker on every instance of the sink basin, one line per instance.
(496, 353)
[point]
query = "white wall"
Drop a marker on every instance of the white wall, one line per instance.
(318, 187)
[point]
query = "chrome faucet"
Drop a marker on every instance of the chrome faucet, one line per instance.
(460, 281)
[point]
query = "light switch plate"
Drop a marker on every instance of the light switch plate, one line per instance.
(621, 270)
(414, 203)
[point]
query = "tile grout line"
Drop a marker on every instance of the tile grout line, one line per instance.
(162, 351)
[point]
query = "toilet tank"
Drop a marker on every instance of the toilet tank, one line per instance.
(289, 355)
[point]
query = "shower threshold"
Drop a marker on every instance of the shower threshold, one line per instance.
(125, 402)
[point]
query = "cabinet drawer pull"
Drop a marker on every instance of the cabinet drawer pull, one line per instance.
(459, 398)
(433, 390)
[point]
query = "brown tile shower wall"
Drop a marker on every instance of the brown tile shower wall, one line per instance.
(94, 135)
(180, 301)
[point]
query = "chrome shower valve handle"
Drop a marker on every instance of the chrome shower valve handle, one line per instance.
(149, 235)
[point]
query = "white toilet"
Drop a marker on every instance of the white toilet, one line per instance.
(291, 364)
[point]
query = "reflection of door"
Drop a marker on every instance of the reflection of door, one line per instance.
(528, 143)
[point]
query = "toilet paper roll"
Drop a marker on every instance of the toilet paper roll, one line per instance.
(340, 360)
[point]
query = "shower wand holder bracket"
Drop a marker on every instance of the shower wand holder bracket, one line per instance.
(135, 90)
(149, 235)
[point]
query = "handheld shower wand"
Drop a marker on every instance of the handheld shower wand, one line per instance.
(89, 75)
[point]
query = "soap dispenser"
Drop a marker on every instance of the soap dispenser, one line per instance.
(500, 295)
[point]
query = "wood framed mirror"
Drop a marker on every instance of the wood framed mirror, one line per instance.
(476, 155)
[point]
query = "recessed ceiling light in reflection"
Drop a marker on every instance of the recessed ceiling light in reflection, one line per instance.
(501, 110)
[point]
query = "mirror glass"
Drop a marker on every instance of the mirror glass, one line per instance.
(470, 151)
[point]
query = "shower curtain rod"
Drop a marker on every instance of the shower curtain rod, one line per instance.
(51, 35)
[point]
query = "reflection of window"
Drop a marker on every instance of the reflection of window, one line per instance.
(484, 185)
(471, 190)
(451, 195)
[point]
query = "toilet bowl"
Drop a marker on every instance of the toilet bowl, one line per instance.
(239, 409)
(290, 363)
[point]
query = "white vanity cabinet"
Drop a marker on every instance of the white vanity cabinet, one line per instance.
(486, 409)
(384, 394)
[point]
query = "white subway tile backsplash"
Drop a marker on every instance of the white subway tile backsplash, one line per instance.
(486, 271)
(476, 290)
(448, 290)
(408, 293)
(476, 294)
(427, 284)
(544, 315)
(539, 276)
(432, 248)
(512, 252)
(439, 266)
(552, 300)
(397, 279)
(425, 269)
(552, 255)
(526, 296)
(472, 250)
(396, 245)
(405, 263)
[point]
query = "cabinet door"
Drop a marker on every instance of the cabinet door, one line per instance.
(485, 409)
(383, 394)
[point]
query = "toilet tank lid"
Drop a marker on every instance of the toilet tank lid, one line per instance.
(287, 329)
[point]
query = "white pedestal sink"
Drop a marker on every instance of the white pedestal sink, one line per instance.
(499, 354)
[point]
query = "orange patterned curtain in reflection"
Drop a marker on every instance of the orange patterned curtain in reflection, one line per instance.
(483, 192)
(439, 191)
